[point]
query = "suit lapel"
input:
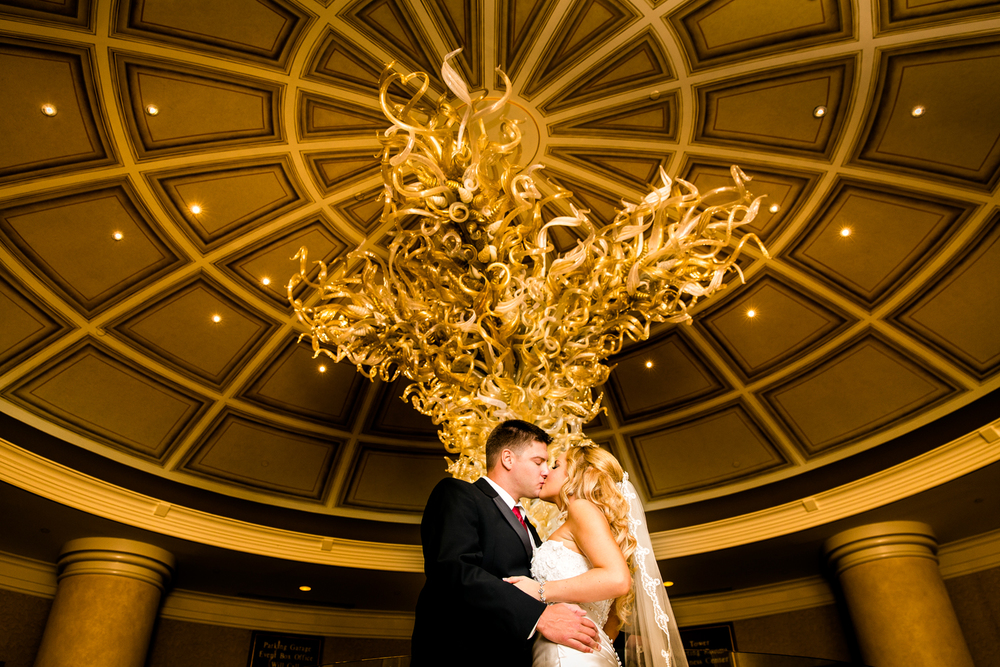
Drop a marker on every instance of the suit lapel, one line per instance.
(507, 514)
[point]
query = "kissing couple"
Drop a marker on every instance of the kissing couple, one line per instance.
(496, 595)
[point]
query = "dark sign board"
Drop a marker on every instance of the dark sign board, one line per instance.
(709, 645)
(277, 649)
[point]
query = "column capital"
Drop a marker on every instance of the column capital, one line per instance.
(891, 539)
(117, 557)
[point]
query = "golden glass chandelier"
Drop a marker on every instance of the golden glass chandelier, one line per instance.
(475, 306)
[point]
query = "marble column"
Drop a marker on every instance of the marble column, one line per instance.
(901, 612)
(106, 602)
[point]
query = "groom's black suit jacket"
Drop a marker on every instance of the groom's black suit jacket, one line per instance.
(466, 614)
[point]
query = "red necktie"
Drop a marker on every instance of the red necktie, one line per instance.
(520, 517)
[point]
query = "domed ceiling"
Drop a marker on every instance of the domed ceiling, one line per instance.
(149, 222)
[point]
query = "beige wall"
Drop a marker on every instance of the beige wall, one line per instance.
(818, 632)
(976, 598)
(22, 620)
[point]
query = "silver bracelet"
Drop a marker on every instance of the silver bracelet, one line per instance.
(541, 592)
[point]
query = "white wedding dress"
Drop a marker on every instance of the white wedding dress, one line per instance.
(554, 560)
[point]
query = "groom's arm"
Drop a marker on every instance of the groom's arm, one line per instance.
(454, 555)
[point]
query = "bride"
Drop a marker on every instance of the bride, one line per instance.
(601, 559)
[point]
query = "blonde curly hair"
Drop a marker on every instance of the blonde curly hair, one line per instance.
(596, 475)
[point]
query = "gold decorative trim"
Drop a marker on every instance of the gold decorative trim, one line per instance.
(58, 483)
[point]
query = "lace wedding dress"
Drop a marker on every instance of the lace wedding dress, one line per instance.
(554, 560)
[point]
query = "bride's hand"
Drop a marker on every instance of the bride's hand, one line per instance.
(526, 584)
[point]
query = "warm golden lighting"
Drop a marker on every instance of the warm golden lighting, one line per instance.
(49, 110)
(649, 364)
(819, 112)
(152, 109)
(265, 281)
(195, 208)
(305, 589)
(668, 584)
(216, 318)
(751, 313)
(918, 111)
(322, 369)
(117, 236)
(475, 306)
(845, 232)
(774, 208)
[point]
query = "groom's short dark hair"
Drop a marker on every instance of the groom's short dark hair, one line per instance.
(515, 435)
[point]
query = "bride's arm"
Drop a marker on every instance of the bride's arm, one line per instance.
(609, 578)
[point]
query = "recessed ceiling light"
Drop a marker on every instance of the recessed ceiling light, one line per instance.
(774, 208)
(751, 313)
(195, 209)
(845, 232)
(668, 584)
(49, 110)
(649, 364)
(152, 109)
(322, 369)
(265, 281)
(918, 111)
(216, 318)
(305, 589)
(819, 112)
(117, 236)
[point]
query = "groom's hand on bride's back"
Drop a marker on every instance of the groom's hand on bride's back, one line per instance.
(568, 625)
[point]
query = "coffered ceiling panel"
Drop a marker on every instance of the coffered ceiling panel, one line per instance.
(646, 119)
(215, 205)
(659, 376)
(393, 25)
(519, 23)
(868, 386)
(96, 393)
(69, 134)
(27, 324)
(323, 117)
(909, 15)
(639, 63)
(255, 454)
(363, 210)
(714, 448)
(956, 137)
(461, 24)
(867, 237)
(179, 329)
(94, 245)
(785, 325)
(959, 312)
(777, 111)
(267, 265)
(338, 61)
(717, 32)
(197, 109)
(263, 32)
(585, 26)
(602, 205)
(393, 478)
(637, 168)
(393, 417)
(785, 190)
(77, 14)
(335, 170)
(298, 385)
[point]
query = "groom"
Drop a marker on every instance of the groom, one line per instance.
(472, 538)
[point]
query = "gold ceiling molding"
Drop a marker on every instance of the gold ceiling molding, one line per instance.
(73, 14)
(29, 326)
(637, 168)
(61, 484)
(69, 487)
(461, 26)
(338, 61)
(950, 461)
(900, 15)
(519, 25)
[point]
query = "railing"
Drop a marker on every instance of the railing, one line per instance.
(718, 659)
